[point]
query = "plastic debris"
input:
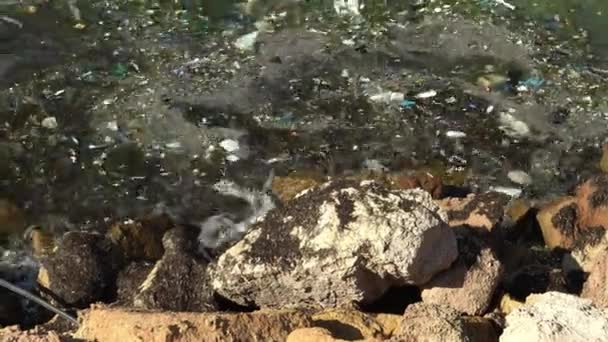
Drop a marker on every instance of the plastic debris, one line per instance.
(347, 7)
(229, 145)
(455, 134)
(427, 94)
(407, 104)
(513, 192)
(49, 122)
(246, 42)
(232, 158)
(387, 97)
(10, 20)
(532, 82)
(506, 4)
(519, 177)
(513, 127)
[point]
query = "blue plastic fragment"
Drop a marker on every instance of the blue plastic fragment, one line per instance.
(533, 82)
(408, 104)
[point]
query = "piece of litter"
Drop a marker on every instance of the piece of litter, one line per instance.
(246, 42)
(387, 97)
(229, 145)
(11, 21)
(513, 192)
(232, 158)
(112, 126)
(450, 100)
(426, 94)
(347, 7)
(348, 42)
(455, 134)
(506, 4)
(50, 122)
(519, 177)
(490, 109)
(174, 145)
(407, 104)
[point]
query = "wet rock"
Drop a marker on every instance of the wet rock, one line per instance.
(432, 322)
(469, 285)
(130, 279)
(100, 324)
(558, 222)
(556, 316)
(179, 281)
(322, 250)
(484, 211)
(140, 240)
(81, 269)
(12, 220)
(596, 286)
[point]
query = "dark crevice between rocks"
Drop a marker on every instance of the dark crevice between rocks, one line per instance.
(226, 305)
(395, 300)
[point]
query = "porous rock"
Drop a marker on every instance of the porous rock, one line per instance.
(81, 270)
(596, 286)
(105, 324)
(469, 285)
(578, 222)
(424, 322)
(340, 243)
(555, 316)
(130, 279)
(142, 239)
(314, 334)
(178, 281)
(484, 211)
(350, 324)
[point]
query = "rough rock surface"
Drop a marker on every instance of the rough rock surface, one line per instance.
(535, 278)
(469, 285)
(129, 280)
(555, 316)
(315, 334)
(14, 334)
(350, 325)
(104, 324)
(341, 243)
(423, 322)
(558, 222)
(178, 281)
(141, 240)
(484, 211)
(81, 270)
(596, 286)
(577, 222)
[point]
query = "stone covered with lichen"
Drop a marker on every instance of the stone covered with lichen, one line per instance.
(337, 244)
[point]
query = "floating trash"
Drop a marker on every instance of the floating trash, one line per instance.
(532, 83)
(408, 104)
(455, 134)
(50, 122)
(519, 177)
(427, 94)
(229, 145)
(247, 41)
(387, 97)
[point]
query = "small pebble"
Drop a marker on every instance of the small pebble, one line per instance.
(455, 134)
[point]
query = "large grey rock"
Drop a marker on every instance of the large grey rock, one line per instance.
(336, 244)
(555, 316)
